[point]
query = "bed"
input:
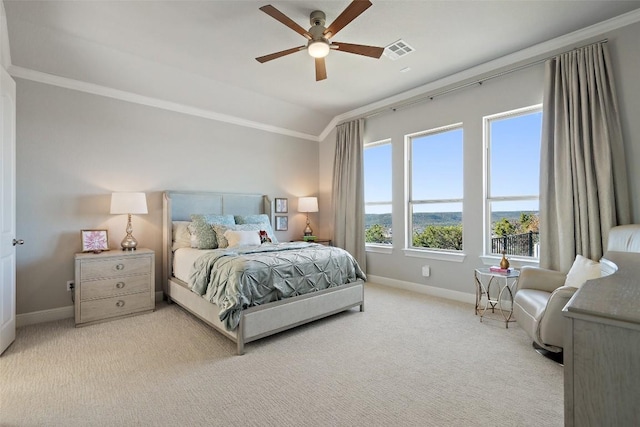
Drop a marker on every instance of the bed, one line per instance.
(250, 322)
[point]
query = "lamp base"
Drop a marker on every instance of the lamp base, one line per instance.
(129, 243)
(307, 230)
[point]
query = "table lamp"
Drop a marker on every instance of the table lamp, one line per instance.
(306, 205)
(128, 203)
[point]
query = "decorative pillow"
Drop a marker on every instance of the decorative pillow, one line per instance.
(264, 237)
(202, 235)
(242, 238)
(261, 219)
(220, 231)
(583, 269)
(181, 235)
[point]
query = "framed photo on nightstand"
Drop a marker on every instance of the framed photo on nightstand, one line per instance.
(94, 240)
(282, 223)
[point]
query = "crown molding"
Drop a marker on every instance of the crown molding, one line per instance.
(94, 89)
(536, 51)
(528, 54)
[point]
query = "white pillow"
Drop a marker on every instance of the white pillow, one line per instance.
(242, 238)
(219, 231)
(181, 235)
(583, 269)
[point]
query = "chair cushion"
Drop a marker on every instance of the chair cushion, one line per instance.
(532, 301)
(583, 269)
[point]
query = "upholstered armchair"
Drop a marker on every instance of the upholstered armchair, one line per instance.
(541, 294)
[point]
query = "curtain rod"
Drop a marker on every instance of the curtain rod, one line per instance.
(424, 98)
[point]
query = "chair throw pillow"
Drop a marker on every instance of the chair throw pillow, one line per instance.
(583, 269)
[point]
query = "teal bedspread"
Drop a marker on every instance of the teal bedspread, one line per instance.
(235, 279)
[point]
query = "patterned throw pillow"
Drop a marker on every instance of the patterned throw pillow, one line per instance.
(202, 235)
(260, 219)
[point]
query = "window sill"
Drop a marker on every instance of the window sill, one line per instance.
(438, 255)
(379, 249)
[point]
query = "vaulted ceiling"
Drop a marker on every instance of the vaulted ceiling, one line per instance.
(201, 54)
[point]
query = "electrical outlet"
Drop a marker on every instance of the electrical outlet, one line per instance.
(70, 285)
(426, 271)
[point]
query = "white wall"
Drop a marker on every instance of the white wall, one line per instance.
(519, 89)
(74, 149)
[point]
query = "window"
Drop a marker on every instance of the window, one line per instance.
(377, 193)
(435, 188)
(513, 182)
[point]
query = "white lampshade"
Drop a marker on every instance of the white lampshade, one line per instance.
(318, 49)
(128, 203)
(308, 204)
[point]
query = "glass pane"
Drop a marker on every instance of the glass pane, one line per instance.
(515, 155)
(436, 166)
(377, 224)
(515, 228)
(437, 226)
(377, 173)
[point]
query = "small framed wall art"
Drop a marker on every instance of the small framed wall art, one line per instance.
(94, 241)
(282, 205)
(282, 223)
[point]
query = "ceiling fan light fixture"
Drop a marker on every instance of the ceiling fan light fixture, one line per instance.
(318, 49)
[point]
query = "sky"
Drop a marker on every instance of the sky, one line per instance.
(514, 165)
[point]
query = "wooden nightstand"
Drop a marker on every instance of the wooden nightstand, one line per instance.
(326, 242)
(113, 284)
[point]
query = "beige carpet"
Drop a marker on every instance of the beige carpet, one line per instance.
(408, 360)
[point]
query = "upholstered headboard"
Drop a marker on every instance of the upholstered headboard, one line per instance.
(179, 205)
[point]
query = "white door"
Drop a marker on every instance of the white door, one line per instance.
(8, 210)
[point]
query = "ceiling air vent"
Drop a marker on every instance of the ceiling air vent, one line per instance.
(397, 50)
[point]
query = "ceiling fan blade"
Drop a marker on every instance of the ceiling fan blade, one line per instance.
(349, 14)
(321, 69)
(263, 59)
(358, 49)
(279, 16)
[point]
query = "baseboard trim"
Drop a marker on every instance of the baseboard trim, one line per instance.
(44, 316)
(423, 289)
(56, 314)
(66, 312)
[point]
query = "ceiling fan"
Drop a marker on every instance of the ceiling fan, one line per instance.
(318, 36)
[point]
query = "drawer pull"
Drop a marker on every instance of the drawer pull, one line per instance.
(120, 267)
(120, 303)
(120, 285)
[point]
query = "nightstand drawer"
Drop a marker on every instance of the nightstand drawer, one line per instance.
(116, 306)
(103, 288)
(115, 267)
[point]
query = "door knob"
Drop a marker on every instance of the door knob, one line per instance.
(18, 242)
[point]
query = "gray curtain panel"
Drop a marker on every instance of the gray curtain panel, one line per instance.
(348, 190)
(583, 176)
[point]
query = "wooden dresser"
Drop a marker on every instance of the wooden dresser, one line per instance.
(113, 284)
(602, 348)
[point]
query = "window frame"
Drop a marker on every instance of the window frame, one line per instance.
(380, 247)
(488, 257)
(422, 252)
